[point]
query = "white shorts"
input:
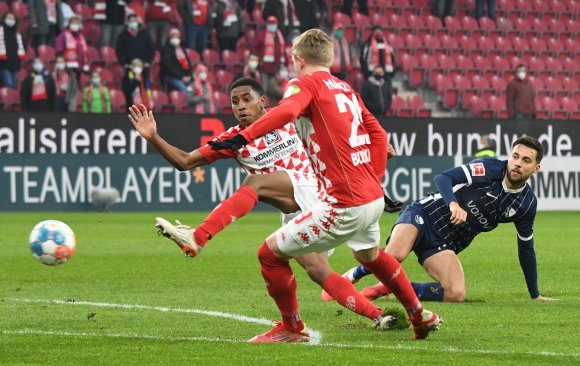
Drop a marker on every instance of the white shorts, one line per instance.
(305, 194)
(324, 227)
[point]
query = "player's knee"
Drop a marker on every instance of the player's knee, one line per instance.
(254, 181)
(454, 294)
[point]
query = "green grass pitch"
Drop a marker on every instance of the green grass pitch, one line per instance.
(128, 297)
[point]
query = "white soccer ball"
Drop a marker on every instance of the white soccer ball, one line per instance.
(52, 242)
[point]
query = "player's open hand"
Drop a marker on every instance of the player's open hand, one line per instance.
(544, 298)
(143, 121)
(458, 215)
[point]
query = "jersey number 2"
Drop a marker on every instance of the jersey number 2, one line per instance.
(343, 102)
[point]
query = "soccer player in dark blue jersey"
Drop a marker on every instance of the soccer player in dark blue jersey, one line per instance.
(472, 198)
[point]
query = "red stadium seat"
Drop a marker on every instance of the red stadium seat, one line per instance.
(83, 10)
(4, 8)
(46, 53)
(498, 84)
(485, 44)
(416, 103)
(224, 79)
(221, 100)
(520, 44)
(452, 25)
(469, 25)
(570, 106)
(504, 25)
(210, 57)
(118, 103)
(193, 55)
(342, 19)
(397, 104)
(10, 99)
(412, 44)
(360, 20)
(476, 105)
(179, 101)
(550, 105)
(20, 9)
(553, 85)
(435, 25)
(416, 25)
(488, 27)
(161, 101)
(108, 55)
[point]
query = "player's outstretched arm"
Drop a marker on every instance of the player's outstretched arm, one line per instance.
(144, 123)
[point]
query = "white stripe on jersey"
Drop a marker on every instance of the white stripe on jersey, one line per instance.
(467, 174)
(437, 196)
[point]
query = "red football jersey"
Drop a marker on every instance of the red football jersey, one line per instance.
(337, 130)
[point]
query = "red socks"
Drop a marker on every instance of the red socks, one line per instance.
(237, 205)
(386, 268)
(281, 286)
(343, 291)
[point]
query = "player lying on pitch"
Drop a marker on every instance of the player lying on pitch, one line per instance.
(285, 180)
(473, 198)
(346, 147)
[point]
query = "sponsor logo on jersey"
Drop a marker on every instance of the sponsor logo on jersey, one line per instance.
(272, 137)
(419, 220)
(478, 215)
(291, 90)
(477, 169)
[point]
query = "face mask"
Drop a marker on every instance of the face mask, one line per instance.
(253, 64)
(96, 81)
(38, 67)
(378, 76)
(10, 22)
(133, 25)
(202, 76)
(272, 28)
(75, 27)
(137, 70)
(338, 33)
(284, 74)
(175, 41)
(60, 65)
(521, 75)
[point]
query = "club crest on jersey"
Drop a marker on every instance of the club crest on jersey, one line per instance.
(291, 90)
(272, 137)
(419, 220)
(510, 212)
(477, 169)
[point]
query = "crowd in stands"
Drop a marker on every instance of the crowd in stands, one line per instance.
(492, 59)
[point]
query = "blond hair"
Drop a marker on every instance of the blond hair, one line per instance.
(315, 47)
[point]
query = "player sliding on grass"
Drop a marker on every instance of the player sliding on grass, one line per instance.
(346, 146)
(280, 174)
(473, 198)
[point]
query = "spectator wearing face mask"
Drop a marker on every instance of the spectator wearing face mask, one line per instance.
(176, 68)
(12, 51)
(271, 48)
(46, 21)
(251, 69)
(134, 42)
(277, 86)
(200, 92)
(376, 51)
(376, 93)
(72, 45)
(285, 14)
(521, 96)
(38, 91)
(136, 86)
(66, 86)
(341, 64)
(96, 97)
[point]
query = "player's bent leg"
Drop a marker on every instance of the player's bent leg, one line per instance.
(399, 245)
(281, 285)
(389, 271)
(445, 268)
(275, 189)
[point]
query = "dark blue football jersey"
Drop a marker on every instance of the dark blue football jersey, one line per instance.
(479, 189)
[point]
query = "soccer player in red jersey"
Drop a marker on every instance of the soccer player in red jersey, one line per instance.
(346, 147)
(280, 174)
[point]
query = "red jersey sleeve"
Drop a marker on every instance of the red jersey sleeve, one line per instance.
(212, 155)
(297, 98)
(378, 137)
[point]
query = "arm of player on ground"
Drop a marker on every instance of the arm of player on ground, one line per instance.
(296, 100)
(526, 253)
(378, 137)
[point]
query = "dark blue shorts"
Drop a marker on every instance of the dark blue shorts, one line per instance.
(429, 241)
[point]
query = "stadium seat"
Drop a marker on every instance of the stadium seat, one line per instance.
(95, 58)
(4, 8)
(10, 99)
(488, 27)
(397, 104)
(118, 103)
(416, 25)
(553, 85)
(83, 10)
(221, 100)
(493, 105)
(161, 101)
(476, 105)
(485, 44)
(20, 9)
(179, 101)
(417, 105)
(210, 58)
(537, 46)
(503, 45)
(435, 25)
(193, 55)
(92, 32)
(452, 25)
(469, 25)
(504, 25)
(550, 105)
(570, 106)
(224, 79)
(498, 84)
(108, 55)
(341, 18)
(360, 20)
(412, 44)
(46, 53)
(520, 45)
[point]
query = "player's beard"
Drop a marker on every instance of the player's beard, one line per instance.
(516, 181)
